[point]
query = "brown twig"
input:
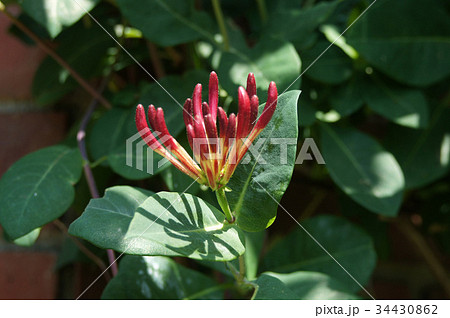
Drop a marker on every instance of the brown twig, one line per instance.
(158, 67)
(81, 136)
(47, 49)
(424, 249)
(62, 227)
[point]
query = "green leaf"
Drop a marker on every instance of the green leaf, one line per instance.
(178, 181)
(253, 246)
(404, 106)
(168, 23)
(110, 131)
(270, 60)
(348, 98)
(28, 239)
(306, 111)
(348, 244)
(157, 277)
(38, 189)
(424, 155)
(257, 186)
(365, 171)
(333, 67)
(167, 224)
(410, 47)
(54, 15)
(83, 49)
(298, 24)
(271, 288)
(136, 165)
(313, 286)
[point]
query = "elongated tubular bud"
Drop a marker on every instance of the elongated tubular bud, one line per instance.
(213, 141)
(205, 109)
(199, 143)
(201, 148)
(144, 130)
(243, 119)
(190, 134)
(223, 122)
(231, 129)
(153, 143)
(151, 112)
(254, 104)
(213, 95)
(197, 101)
(211, 129)
(166, 138)
(160, 126)
(187, 112)
(233, 157)
(269, 109)
(251, 85)
(229, 139)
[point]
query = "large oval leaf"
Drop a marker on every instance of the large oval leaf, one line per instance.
(38, 189)
(167, 22)
(333, 67)
(270, 60)
(84, 49)
(424, 155)
(348, 244)
(166, 224)
(269, 287)
(311, 286)
(404, 106)
(298, 24)
(157, 277)
(365, 171)
(257, 186)
(54, 15)
(410, 47)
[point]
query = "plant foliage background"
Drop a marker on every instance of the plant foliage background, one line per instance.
(376, 103)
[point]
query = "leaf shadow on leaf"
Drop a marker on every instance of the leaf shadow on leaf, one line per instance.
(190, 228)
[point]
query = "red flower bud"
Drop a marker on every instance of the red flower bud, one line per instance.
(251, 85)
(269, 109)
(243, 118)
(213, 95)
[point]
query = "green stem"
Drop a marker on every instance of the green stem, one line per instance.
(223, 202)
(262, 10)
(221, 22)
(241, 269)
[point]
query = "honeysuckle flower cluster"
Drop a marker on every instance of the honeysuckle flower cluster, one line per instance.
(219, 142)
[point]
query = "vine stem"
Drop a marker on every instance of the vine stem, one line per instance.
(262, 10)
(436, 267)
(47, 49)
(241, 268)
(223, 202)
(221, 22)
(81, 137)
(62, 227)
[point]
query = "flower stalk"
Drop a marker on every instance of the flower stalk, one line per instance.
(223, 202)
